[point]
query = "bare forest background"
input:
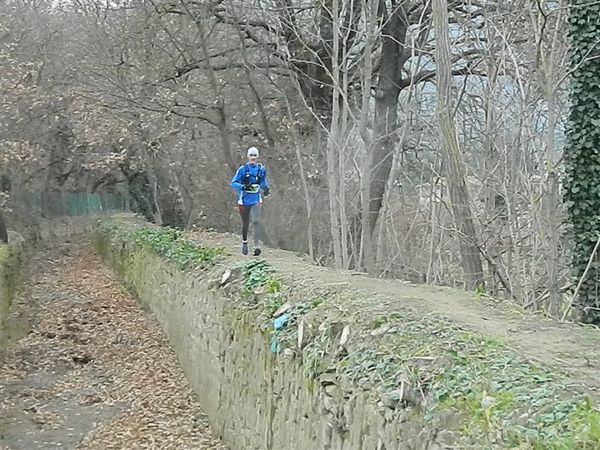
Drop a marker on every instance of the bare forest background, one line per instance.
(419, 140)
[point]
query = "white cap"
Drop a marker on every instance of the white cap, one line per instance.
(252, 151)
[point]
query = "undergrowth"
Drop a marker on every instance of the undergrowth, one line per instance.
(172, 244)
(256, 274)
(502, 401)
(260, 278)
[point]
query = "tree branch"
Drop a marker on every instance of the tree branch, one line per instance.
(428, 75)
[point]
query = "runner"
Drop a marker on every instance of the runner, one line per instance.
(250, 181)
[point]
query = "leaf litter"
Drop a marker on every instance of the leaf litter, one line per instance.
(95, 371)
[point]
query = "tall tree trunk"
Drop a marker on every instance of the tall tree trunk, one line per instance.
(552, 195)
(386, 103)
(459, 196)
(366, 241)
(343, 143)
(333, 197)
(332, 148)
(551, 203)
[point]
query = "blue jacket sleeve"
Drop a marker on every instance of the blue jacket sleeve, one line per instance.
(264, 183)
(236, 181)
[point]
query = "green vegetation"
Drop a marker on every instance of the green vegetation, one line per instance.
(581, 156)
(256, 274)
(499, 399)
(259, 278)
(172, 244)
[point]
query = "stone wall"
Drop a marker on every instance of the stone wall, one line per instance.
(255, 399)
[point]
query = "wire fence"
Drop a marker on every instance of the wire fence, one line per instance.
(59, 204)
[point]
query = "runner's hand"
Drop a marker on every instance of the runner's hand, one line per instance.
(251, 188)
(266, 192)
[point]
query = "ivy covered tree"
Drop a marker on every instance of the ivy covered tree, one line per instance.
(582, 154)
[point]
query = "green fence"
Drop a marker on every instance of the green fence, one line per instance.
(56, 204)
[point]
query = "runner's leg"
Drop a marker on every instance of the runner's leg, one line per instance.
(255, 218)
(245, 215)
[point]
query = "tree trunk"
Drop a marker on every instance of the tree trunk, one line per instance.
(139, 191)
(386, 104)
(581, 182)
(343, 142)
(459, 196)
(552, 201)
(551, 204)
(3, 230)
(332, 151)
(366, 241)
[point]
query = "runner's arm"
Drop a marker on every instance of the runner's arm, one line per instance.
(236, 181)
(264, 184)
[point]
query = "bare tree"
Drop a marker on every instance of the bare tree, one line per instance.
(155, 99)
(459, 195)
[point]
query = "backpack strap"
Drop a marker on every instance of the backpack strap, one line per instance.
(261, 172)
(246, 176)
(259, 175)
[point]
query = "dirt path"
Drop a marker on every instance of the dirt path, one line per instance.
(569, 348)
(95, 372)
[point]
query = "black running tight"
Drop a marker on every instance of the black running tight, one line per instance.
(251, 213)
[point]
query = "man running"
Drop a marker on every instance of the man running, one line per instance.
(250, 181)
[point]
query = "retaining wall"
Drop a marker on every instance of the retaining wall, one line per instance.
(255, 399)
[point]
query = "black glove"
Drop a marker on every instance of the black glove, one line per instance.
(266, 192)
(246, 187)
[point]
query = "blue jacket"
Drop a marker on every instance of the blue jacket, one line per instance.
(253, 174)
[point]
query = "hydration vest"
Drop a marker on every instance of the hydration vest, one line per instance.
(247, 178)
